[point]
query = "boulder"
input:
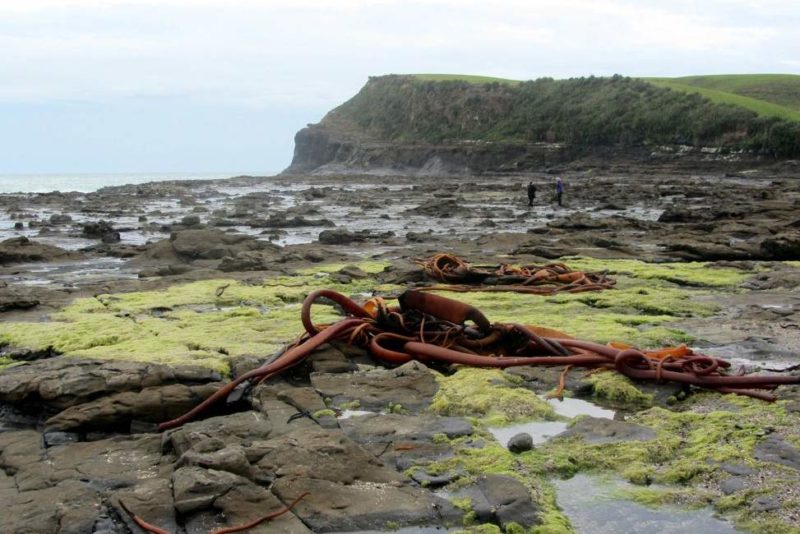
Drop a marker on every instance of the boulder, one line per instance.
(204, 244)
(100, 230)
(58, 219)
(781, 247)
(503, 500)
(11, 300)
(21, 249)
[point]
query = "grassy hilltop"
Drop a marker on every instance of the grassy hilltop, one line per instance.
(767, 94)
(759, 113)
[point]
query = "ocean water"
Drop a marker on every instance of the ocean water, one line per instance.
(85, 183)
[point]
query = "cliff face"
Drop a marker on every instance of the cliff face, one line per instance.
(400, 124)
(321, 150)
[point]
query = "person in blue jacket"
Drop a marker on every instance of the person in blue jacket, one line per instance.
(559, 189)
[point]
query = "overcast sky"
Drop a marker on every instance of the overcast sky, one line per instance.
(223, 85)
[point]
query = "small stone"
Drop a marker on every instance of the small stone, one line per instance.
(732, 485)
(765, 504)
(736, 469)
(520, 443)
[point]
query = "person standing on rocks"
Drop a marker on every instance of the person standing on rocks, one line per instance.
(559, 190)
(531, 193)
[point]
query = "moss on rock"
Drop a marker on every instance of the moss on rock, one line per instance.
(201, 323)
(490, 394)
(618, 389)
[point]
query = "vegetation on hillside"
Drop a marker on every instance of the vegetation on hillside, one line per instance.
(583, 111)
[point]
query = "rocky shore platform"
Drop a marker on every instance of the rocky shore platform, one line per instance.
(125, 307)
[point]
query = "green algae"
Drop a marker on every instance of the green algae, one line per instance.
(687, 444)
(486, 528)
(638, 314)
(618, 389)
(657, 497)
(639, 473)
(203, 323)
(496, 459)
(694, 274)
(370, 267)
(685, 455)
(490, 394)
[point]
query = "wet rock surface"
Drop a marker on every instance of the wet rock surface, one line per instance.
(24, 250)
(597, 430)
(502, 499)
(408, 387)
(77, 435)
(69, 473)
(59, 383)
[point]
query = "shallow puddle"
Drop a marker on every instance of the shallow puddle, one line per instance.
(347, 414)
(540, 431)
(569, 407)
(592, 505)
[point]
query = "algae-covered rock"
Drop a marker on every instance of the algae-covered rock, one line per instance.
(495, 396)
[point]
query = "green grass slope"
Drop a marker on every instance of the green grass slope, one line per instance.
(776, 95)
(463, 78)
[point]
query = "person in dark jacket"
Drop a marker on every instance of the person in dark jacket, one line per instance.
(559, 189)
(531, 193)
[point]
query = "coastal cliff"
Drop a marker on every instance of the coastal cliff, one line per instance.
(412, 125)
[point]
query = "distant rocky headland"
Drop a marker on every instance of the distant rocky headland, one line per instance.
(429, 125)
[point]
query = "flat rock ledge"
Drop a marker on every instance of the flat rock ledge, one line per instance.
(94, 445)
